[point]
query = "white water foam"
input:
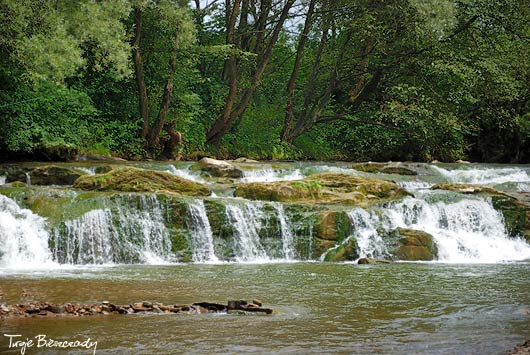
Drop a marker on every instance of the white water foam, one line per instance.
(23, 238)
(247, 222)
(469, 230)
(202, 237)
(287, 235)
(119, 235)
(369, 242)
(484, 176)
(2, 180)
(414, 185)
(271, 175)
(89, 171)
(523, 187)
(186, 174)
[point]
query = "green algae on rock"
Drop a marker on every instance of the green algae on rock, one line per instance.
(383, 168)
(130, 179)
(43, 175)
(340, 189)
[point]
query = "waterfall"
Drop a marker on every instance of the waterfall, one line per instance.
(186, 174)
(287, 235)
(201, 232)
(270, 175)
(369, 242)
(89, 171)
(247, 221)
(23, 237)
(481, 175)
(469, 230)
(2, 180)
(116, 234)
(28, 179)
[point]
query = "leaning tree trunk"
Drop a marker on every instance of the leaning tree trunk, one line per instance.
(139, 72)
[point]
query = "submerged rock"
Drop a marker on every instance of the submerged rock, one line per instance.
(219, 168)
(413, 245)
(383, 168)
(340, 189)
(139, 180)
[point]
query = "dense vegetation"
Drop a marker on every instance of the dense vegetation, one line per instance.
(286, 79)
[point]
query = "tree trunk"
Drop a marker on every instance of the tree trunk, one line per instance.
(229, 115)
(154, 133)
(289, 110)
(139, 71)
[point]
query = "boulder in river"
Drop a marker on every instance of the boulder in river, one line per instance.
(340, 189)
(44, 175)
(413, 245)
(219, 168)
(140, 180)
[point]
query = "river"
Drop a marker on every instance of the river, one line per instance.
(473, 300)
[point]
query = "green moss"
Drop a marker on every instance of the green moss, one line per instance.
(346, 251)
(324, 189)
(412, 245)
(130, 179)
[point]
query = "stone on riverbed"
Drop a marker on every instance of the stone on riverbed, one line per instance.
(130, 179)
(219, 168)
(340, 189)
(413, 245)
(105, 308)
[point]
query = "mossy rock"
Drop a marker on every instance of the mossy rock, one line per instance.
(470, 189)
(413, 245)
(130, 179)
(45, 175)
(219, 168)
(341, 189)
(332, 225)
(346, 251)
(383, 168)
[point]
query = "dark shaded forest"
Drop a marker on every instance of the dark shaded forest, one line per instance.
(266, 79)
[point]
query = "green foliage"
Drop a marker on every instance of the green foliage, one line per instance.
(46, 117)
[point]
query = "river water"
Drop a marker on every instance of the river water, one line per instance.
(474, 299)
(400, 308)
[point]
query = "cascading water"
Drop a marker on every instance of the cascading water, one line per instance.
(469, 230)
(481, 175)
(288, 250)
(117, 234)
(369, 242)
(201, 232)
(186, 174)
(89, 171)
(270, 175)
(247, 221)
(2, 180)
(23, 237)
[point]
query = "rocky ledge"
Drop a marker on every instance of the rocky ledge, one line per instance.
(340, 189)
(37, 309)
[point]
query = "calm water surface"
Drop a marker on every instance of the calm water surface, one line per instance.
(400, 308)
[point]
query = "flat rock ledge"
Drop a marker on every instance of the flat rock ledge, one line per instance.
(37, 309)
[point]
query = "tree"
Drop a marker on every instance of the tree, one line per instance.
(236, 102)
(169, 25)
